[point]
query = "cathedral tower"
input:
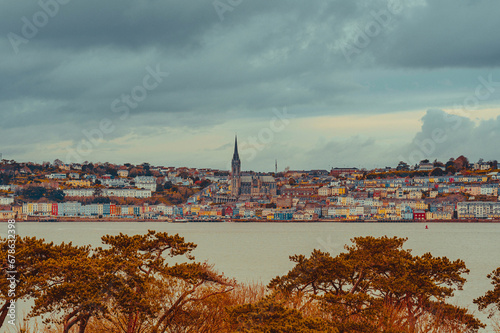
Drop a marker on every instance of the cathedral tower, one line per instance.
(235, 170)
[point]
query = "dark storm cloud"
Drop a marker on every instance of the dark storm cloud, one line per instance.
(126, 24)
(446, 33)
(238, 62)
(90, 53)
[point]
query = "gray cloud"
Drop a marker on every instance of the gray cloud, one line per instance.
(262, 55)
(355, 151)
(445, 135)
(443, 34)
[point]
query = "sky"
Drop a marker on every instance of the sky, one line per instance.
(312, 84)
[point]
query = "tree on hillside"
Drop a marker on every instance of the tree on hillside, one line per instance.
(402, 166)
(35, 193)
(437, 163)
(112, 170)
(461, 163)
(55, 195)
(451, 169)
(98, 192)
(375, 274)
(4, 179)
(88, 167)
(100, 200)
(134, 172)
(146, 167)
(204, 183)
(437, 172)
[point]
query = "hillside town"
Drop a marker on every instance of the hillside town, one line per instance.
(457, 190)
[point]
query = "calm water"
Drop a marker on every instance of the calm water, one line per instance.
(257, 252)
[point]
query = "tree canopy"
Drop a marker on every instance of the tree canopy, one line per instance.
(151, 283)
(38, 192)
(360, 286)
(129, 285)
(491, 299)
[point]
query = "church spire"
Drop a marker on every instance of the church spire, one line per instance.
(236, 156)
(235, 170)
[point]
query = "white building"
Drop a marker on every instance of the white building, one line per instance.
(56, 176)
(489, 190)
(5, 187)
(6, 200)
(74, 175)
(122, 193)
(325, 191)
(114, 182)
(146, 182)
(425, 167)
(82, 192)
(479, 210)
(127, 193)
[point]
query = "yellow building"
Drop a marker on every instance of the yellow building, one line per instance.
(338, 190)
(195, 209)
(421, 205)
(79, 183)
(7, 215)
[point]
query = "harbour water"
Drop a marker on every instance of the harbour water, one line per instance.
(257, 252)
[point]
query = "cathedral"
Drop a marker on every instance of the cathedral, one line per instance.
(249, 185)
(235, 171)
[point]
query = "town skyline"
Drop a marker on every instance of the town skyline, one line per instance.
(434, 191)
(275, 168)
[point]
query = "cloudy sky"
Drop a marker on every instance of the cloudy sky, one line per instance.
(313, 84)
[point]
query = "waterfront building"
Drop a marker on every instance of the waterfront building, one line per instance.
(7, 214)
(478, 210)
